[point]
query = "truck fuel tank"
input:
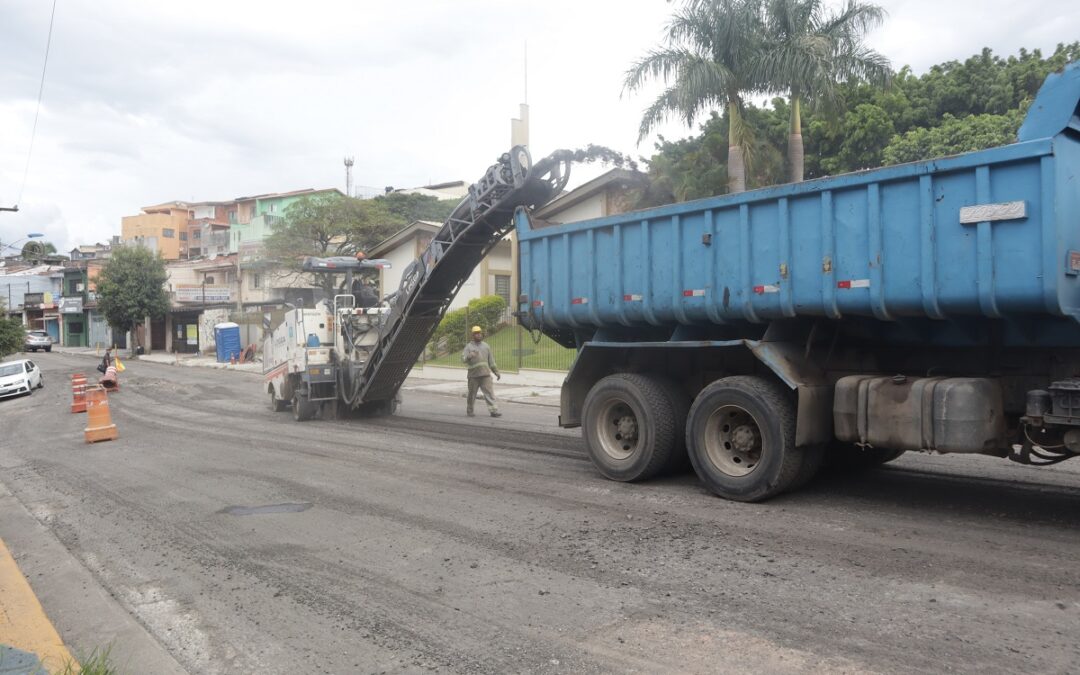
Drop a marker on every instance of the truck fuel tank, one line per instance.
(960, 414)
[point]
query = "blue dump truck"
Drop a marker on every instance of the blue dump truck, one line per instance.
(931, 306)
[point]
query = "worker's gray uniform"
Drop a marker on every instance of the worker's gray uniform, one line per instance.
(477, 355)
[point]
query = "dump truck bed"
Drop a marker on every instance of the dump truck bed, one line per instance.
(994, 233)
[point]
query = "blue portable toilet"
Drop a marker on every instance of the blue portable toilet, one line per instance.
(227, 339)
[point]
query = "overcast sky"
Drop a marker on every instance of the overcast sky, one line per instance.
(147, 102)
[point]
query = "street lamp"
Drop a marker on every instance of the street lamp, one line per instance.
(31, 235)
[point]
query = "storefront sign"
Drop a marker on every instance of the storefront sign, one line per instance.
(202, 294)
(71, 305)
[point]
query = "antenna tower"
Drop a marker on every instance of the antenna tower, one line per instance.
(348, 176)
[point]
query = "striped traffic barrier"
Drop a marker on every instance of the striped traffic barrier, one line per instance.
(78, 393)
(99, 424)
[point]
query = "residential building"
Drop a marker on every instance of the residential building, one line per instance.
(81, 323)
(208, 228)
(163, 228)
(202, 294)
(31, 295)
(93, 251)
(253, 219)
(206, 292)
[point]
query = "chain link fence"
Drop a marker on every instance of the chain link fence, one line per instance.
(513, 347)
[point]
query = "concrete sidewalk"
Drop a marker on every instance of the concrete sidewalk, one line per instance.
(531, 387)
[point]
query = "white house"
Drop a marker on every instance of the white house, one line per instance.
(495, 275)
(612, 192)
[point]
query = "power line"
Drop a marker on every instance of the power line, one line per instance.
(41, 90)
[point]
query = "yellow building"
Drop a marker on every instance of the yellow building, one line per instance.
(162, 228)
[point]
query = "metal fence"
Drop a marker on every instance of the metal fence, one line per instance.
(512, 346)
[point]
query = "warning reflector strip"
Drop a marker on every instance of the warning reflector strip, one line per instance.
(853, 283)
(694, 293)
(631, 297)
(766, 288)
(579, 301)
(538, 303)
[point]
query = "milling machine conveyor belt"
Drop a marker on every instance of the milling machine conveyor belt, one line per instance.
(430, 283)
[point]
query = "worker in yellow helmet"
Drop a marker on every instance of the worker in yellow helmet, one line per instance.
(477, 355)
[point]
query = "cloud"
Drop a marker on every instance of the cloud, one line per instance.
(148, 102)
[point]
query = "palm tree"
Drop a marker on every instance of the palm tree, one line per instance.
(809, 52)
(708, 59)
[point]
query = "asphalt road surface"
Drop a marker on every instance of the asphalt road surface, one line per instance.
(235, 540)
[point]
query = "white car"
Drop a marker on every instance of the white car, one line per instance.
(19, 377)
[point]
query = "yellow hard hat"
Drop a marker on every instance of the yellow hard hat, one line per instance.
(477, 329)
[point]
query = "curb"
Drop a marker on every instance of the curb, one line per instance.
(23, 624)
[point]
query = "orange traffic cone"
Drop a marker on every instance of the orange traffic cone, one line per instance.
(78, 393)
(99, 426)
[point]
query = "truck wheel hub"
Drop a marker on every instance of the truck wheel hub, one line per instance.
(626, 427)
(733, 442)
(744, 439)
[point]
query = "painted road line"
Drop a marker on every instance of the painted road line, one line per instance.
(23, 624)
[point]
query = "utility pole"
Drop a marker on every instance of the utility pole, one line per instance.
(348, 176)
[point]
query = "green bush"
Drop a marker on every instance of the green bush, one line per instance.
(12, 335)
(453, 330)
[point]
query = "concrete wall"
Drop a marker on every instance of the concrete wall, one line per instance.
(207, 321)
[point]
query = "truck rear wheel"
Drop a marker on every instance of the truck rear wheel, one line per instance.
(302, 408)
(276, 404)
(741, 438)
(630, 427)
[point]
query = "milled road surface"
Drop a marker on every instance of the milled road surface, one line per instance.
(431, 541)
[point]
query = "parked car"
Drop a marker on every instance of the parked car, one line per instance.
(37, 339)
(19, 377)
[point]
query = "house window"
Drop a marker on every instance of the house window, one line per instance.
(232, 217)
(75, 327)
(273, 207)
(197, 234)
(183, 236)
(168, 233)
(502, 287)
(208, 279)
(255, 281)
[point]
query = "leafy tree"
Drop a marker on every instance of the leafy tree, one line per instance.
(696, 167)
(12, 332)
(954, 136)
(809, 52)
(410, 207)
(984, 84)
(131, 287)
(707, 60)
(956, 106)
(332, 225)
